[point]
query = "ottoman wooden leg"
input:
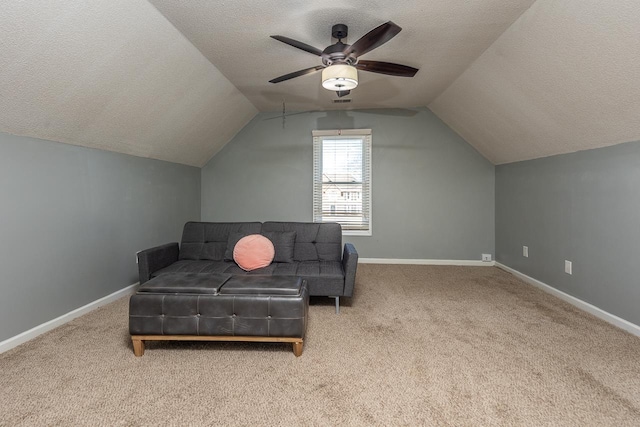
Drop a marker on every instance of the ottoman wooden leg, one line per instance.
(138, 346)
(297, 348)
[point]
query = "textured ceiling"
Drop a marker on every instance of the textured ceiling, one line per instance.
(176, 80)
(565, 77)
(114, 75)
(440, 37)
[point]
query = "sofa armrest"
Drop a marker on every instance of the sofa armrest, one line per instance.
(349, 265)
(154, 259)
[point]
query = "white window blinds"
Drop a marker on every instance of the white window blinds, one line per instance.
(342, 179)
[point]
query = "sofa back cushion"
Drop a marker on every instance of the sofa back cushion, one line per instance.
(208, 240)
(314, 242)
(284, 243)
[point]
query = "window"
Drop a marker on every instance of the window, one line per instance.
(342, 179)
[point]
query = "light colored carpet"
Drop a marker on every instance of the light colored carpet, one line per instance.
(419, 345)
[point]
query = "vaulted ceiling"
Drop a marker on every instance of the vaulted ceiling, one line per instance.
(518, 79)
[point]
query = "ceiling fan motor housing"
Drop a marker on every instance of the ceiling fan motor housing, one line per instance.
(334, 54)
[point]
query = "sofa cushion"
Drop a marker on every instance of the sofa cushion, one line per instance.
(250, 284)
(231, 244)
(253, 252)
(324, 277)
(208, 240)
(314, 241)
(196, 266)
(284, 243)
(186, 283)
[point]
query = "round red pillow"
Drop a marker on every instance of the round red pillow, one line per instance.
(253, 251)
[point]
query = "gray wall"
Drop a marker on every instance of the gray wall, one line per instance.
(433, 194)
(72, 219)
(583, 207)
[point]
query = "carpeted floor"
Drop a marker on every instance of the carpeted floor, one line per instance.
(419, 345)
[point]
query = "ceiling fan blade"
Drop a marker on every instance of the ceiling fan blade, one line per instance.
(299, 45)
(374, 38)
(342, 93)
(296, 74)
(388, 68)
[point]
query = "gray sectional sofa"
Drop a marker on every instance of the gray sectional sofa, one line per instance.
(311, 251)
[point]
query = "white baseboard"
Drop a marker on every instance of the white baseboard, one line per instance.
(12, 342)
(589, 308)
(474, 263)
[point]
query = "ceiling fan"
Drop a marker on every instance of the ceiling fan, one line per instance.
(340, 63)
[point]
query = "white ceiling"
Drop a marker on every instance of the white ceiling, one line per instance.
(114, 75)
(564, 77)
(440, 37)
(177, 81)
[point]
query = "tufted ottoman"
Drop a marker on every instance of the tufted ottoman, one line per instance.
(219, 307)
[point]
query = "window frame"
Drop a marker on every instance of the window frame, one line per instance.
(367, 205)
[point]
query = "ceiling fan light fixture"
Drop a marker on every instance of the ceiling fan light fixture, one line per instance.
(340, 77)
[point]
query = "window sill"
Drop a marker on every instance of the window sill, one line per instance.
(356, 232)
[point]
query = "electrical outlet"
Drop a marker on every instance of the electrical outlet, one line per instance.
(486, 257)
(568, 267)
(525, 251)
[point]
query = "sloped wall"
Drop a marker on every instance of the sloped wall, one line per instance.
(433, 194)
(72, 220)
